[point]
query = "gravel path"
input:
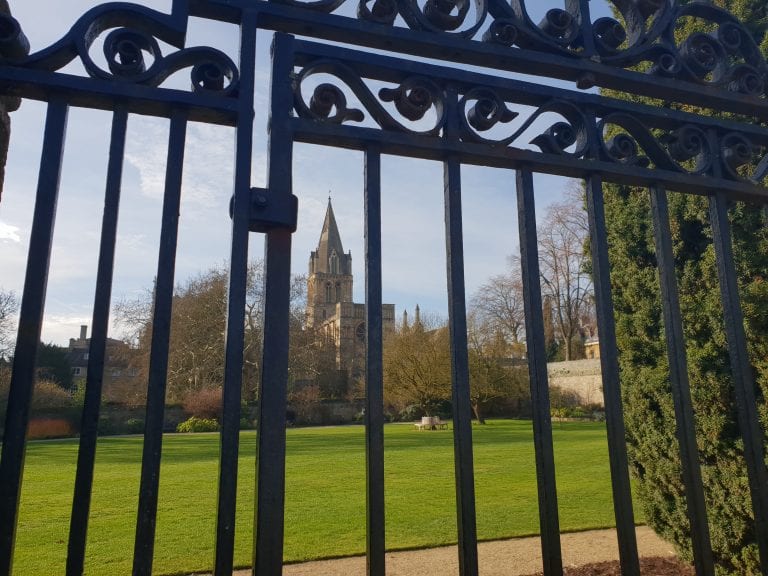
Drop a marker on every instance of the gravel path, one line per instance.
(515, 557)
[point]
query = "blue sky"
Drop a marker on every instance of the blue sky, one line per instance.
(413, 237)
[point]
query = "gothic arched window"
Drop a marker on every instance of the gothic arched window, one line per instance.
(360, 332)
(333, 262)
(338, 291)
(328, 292)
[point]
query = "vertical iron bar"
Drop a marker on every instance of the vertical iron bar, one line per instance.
(270, 461)
(269, 513)
(462, 412)
(158, 360)
(30, 327)
(374, 378)
(609, 364)
(549, 520)
(681, 388)
(235, 329)
(741, 372)
(81, 501)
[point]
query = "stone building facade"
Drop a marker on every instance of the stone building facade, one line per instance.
(118, 377)
(330, 308)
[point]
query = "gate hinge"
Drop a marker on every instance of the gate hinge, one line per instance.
(271, 211)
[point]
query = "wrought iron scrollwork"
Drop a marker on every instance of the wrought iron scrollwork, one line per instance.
(413, 99)
(451, 16)
(626, 140)
(642, 36)
(732, 155)
(378, 11)
(741, 159)
(483, 109)
(131, 50)
(480, 110)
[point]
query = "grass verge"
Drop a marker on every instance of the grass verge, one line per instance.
(325, 498)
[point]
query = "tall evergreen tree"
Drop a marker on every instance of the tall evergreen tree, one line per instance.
(648, 401)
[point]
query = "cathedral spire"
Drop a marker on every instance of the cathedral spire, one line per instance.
(329, 258)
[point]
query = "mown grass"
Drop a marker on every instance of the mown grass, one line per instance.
(325, 498)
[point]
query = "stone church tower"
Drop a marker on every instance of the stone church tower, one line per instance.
(330, 308)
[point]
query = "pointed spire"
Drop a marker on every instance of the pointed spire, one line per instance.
(405, 319)
(417, 318)
(329, 258)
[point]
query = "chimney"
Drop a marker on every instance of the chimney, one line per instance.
(83, 331)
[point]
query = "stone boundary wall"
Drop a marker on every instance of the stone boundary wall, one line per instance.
(580, 376)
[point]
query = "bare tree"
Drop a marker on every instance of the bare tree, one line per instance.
(198, 329)
(8, 307)
(563, 267)
(498, 304)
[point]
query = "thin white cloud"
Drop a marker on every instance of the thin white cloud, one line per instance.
(208, 162)
(9, 233)
(146, 151)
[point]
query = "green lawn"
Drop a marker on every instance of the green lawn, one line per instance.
(325, 507)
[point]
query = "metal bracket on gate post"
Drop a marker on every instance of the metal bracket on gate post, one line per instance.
(270, 211)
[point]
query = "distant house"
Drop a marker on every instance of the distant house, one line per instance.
(592, 348)
(116, 370)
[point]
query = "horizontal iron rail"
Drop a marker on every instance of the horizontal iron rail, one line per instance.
(446, 46)
(431, 148)
(395, 70)
(86, 92)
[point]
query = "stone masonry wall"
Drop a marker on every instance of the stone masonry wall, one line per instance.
(580, 376)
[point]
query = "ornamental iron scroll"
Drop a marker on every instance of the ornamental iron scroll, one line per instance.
(642, 36)
(131, 49)
(630, 135)
(413, 98)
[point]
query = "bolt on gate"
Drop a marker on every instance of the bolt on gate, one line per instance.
(436, 108)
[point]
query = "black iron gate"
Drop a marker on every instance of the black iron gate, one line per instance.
(437, 111)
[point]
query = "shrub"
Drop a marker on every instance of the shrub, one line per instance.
(108, 426)
(649, 408)
(305, 402)
(204, 403)
(134, 426)
(245, 424)
(40, 428)
(48, 395)
(194, 424)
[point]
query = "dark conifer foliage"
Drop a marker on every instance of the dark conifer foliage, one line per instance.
(647, 396)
